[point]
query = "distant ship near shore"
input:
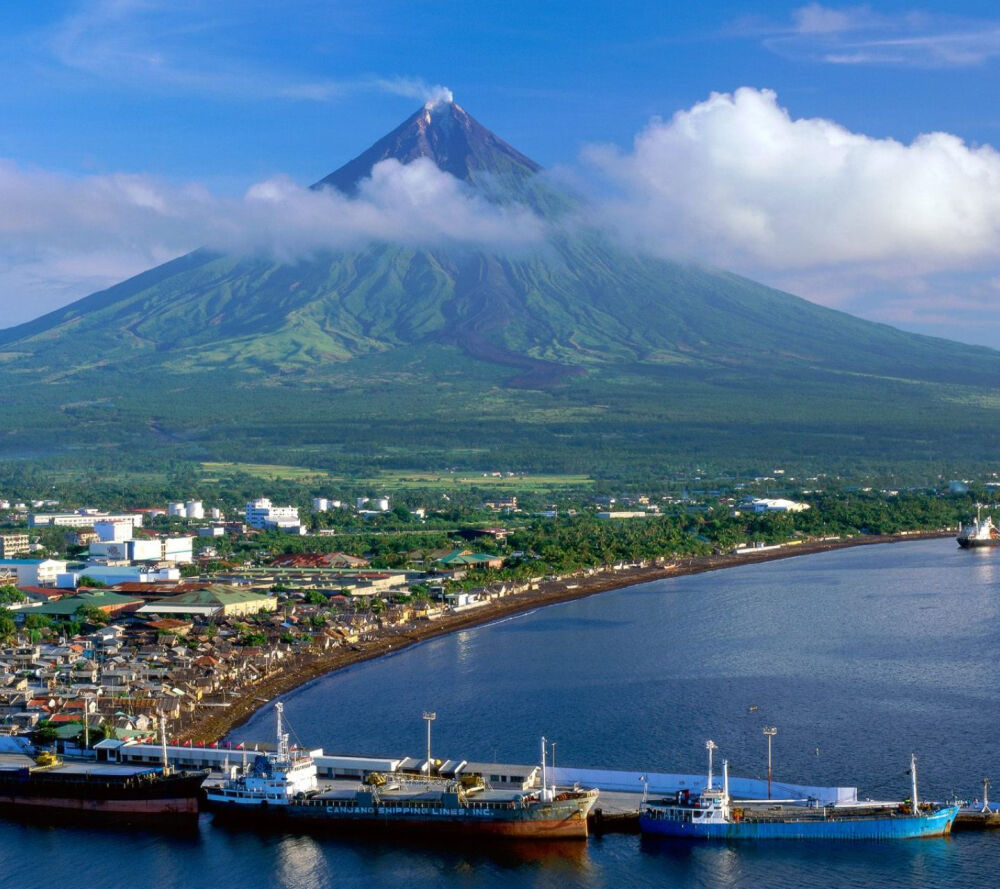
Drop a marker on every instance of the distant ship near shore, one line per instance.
(981, 532)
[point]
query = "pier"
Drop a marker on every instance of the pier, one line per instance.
(622, 792)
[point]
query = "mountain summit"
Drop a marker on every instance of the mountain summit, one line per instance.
(448, 135)
(575, 355)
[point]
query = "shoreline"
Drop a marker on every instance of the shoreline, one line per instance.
(212, 726)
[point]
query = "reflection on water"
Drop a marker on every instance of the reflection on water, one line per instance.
(301, 863)
(858, 657)
(984, 563)
(310, 857)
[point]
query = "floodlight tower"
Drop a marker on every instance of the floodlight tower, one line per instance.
(770, 731)
(429, 717)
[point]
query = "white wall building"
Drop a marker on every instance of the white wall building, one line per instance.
(764, 504)
(83, 518)
(113, 531)
(112, 574)
(261, 513)
(177, 550)
(34, 572)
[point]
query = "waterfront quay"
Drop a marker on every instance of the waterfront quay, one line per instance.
(621, 791)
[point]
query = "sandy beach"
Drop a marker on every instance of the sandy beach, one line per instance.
(216, 723)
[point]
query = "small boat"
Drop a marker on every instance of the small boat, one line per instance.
(713, 815)
(981, 532)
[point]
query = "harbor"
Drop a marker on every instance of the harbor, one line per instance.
(617, 801)
(628, 682)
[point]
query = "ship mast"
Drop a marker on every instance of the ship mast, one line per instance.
(279, 708)
(164, 762)
(913, 783)
(710, 746)
(547, 794)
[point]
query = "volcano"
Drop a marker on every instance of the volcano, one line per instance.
(471, 353)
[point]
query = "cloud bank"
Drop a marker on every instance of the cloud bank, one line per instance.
(62, 237)
(905, 233)
(737, 181)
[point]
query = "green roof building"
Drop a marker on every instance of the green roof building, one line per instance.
(217, 600)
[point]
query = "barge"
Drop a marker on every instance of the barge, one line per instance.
(50, 784)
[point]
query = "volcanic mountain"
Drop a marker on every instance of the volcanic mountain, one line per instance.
(572, 354)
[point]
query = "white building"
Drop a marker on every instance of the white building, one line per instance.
(176, 509)
(176, 550)
(113, 531)
(764, 504)
(261, 513)
(82, 518)
(34, 572)
(112, 574)
(320, 504)
(194, 509)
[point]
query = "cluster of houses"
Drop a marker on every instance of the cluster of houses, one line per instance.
(172, 645)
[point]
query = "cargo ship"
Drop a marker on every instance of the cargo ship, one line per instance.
(50, 784)
(712, 815)
(981, 532)
(282, 786)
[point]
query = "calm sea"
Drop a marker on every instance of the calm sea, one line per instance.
(858, 657)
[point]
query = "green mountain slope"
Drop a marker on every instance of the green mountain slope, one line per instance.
(471, 352)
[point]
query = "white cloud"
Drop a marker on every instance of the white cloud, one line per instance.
(414, 204)
(817, 19)
(735, 180)
(64, 237)
(904, 233)
(189, 47)
(858, 35)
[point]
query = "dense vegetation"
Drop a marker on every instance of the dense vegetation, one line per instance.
(576, 357)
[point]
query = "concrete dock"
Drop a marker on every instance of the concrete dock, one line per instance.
(977, 819)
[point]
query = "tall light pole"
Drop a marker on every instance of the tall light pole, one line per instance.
(770, 731)
(429, 717)
(710, 746)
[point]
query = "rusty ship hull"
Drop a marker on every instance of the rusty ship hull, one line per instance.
(145, 793)
(432, 814)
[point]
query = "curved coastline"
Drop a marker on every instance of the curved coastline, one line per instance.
(214, 725)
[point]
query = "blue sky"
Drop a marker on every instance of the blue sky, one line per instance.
(134, 130)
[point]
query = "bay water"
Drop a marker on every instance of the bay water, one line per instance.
(857, 657)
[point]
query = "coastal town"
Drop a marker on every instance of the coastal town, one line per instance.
(139, 619)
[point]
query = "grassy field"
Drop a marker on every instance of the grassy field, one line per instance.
(394, 480)
(214, 471)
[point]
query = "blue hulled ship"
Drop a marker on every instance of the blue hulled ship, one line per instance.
(713, 815)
